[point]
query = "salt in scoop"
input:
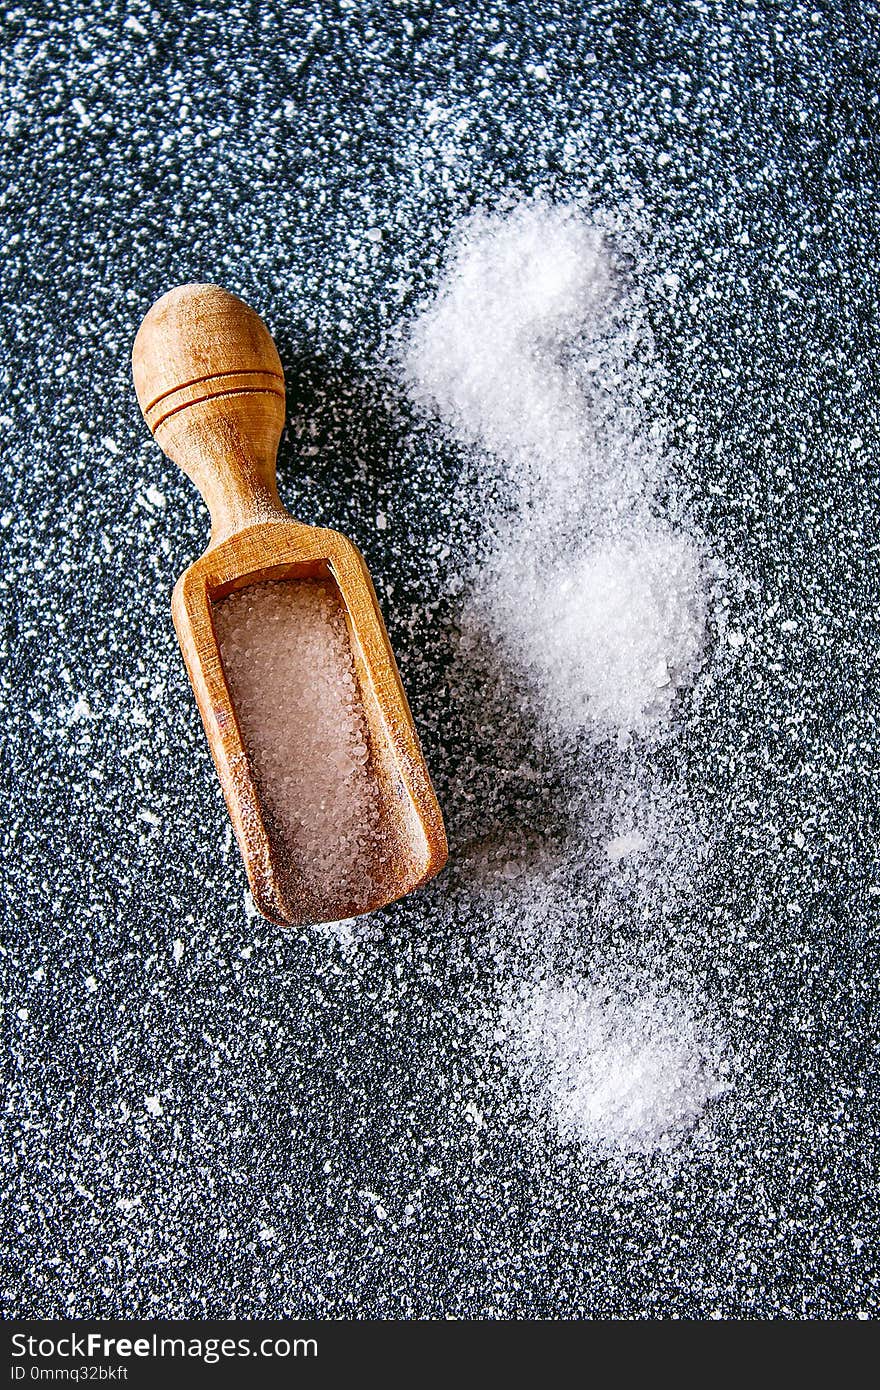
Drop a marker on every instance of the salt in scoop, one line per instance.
(350, 821)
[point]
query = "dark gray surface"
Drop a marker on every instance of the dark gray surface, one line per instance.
(255, 145)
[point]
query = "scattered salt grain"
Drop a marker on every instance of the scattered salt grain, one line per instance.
(81, 710)
(351, 933)
(287, 657)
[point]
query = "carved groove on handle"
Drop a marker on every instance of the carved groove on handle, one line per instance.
(154, 421)
(211, 376)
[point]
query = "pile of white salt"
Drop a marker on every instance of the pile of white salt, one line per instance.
(619, 1064)
(605, 633)
(287, 658)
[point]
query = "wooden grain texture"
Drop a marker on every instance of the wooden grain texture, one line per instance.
(210, 384)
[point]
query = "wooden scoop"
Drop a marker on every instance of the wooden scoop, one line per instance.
(210, 384)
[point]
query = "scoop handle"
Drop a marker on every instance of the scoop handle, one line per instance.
(211, 387)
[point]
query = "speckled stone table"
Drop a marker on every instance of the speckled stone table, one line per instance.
(208, 1117)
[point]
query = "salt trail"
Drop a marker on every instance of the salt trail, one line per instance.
(487, 353)
(584, 610)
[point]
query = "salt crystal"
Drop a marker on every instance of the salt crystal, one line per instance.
(351, 933)
(287, 658)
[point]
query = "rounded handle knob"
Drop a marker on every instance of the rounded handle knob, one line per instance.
(211, 387)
